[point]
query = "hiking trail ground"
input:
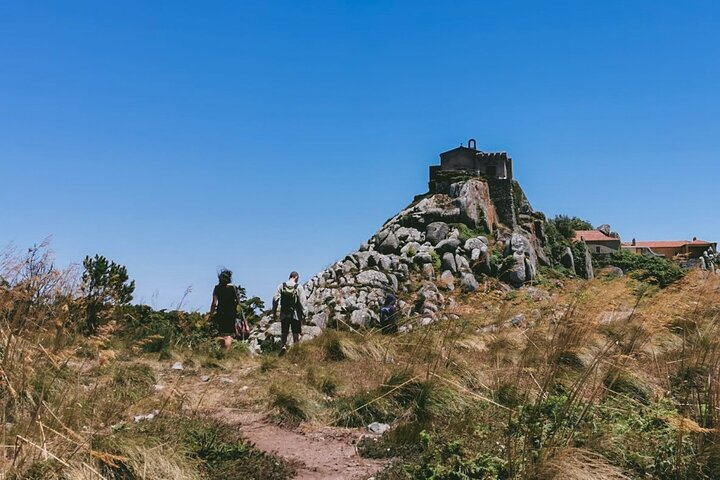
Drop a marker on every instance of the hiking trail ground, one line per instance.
(318, 452)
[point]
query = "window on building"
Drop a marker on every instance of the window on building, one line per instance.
(597, 249)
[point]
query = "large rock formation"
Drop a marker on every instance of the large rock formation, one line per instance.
(447, 239)
(448, 235)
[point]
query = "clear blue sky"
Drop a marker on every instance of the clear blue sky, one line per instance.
(174, 137)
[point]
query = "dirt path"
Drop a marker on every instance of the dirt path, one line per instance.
(319, 452)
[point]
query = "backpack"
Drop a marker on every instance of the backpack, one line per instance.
(288, 299)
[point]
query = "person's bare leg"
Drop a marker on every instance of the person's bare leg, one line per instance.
(228, 343)
(283, 343)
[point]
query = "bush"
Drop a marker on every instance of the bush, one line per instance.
(447, 461)
(580, 252)
(159, 330)
(559, 233)
(105, 285)
(650, 269)
(436, 261)
(467, 233)
(566, 225)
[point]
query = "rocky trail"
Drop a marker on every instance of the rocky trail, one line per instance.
(317, 451)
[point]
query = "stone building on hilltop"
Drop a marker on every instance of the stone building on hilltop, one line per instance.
(473, 161)
(495, 169)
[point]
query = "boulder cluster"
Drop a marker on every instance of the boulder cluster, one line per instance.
(441, 242)
(445, 241)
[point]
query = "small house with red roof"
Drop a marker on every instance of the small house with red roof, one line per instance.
(600, 241)
(671, 248)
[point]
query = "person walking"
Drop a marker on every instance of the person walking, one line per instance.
(290, 298)
(224, 307)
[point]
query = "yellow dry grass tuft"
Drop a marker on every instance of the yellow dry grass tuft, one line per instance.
(580, 464)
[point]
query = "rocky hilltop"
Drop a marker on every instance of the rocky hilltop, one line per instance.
(465, 230)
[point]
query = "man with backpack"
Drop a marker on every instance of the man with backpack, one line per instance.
(290, 297)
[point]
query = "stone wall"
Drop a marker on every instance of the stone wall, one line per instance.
(501, 193)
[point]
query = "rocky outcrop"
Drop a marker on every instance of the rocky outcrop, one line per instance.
(449, 237)
(589, 273)
(524, 266)
(568, 260)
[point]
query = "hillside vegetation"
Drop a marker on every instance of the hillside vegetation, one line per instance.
(563, 378)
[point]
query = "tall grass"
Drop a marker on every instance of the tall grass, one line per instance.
(574, 396)
(67, 401)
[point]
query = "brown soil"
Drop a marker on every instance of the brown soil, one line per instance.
(317, 451)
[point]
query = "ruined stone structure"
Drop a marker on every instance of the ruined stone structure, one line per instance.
(491, 165)
(496, 169)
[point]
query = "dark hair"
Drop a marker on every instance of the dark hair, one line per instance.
(225, 276)
(294, 274)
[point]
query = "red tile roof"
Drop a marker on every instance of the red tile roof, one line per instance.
(592, 236)
(670, 244)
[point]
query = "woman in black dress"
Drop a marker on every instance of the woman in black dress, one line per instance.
(224, 307)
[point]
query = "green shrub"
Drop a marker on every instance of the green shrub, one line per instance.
(559, 233)
(580, 253)
(466, 233)
(401, 441)
(436, 260)
(105, 286)
(567, 225)
(159, 330)
(447, 461)
(650, 269)
(652, 446)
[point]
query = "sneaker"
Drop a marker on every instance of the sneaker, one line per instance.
(283, 351)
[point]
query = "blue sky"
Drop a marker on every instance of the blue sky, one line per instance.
(175, 137)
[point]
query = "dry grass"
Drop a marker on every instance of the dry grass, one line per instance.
(523, 377)
(63, 395)
(579, 464)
